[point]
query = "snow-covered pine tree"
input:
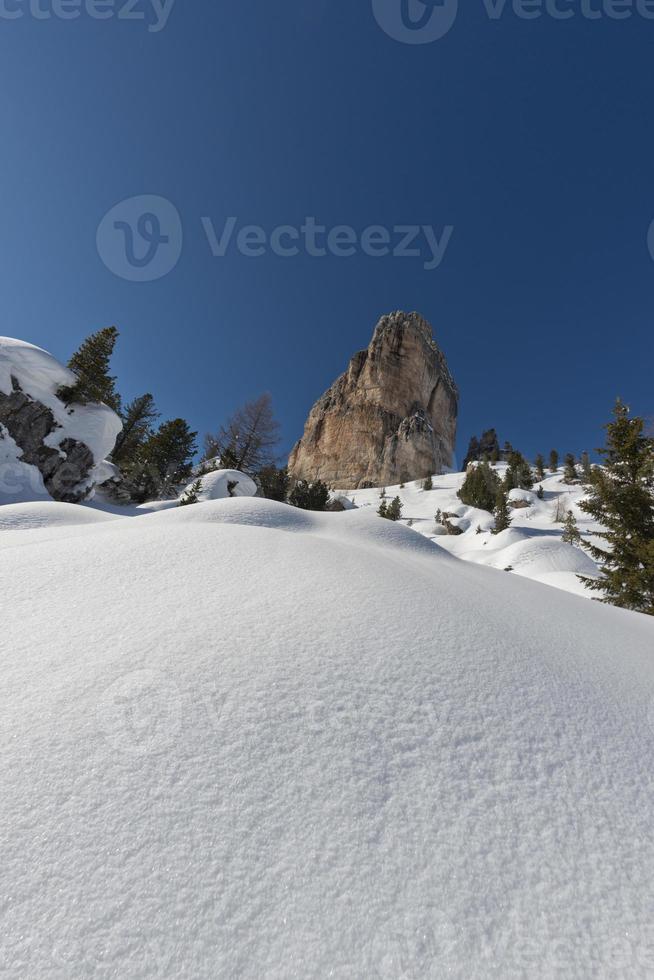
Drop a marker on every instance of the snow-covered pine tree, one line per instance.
(90, 364)
(554, 461)
(428, 484)
(621, 499)
(540, 467)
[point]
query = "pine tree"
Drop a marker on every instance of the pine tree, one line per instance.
(309, 496)
(165, 461)
(570, 474)
(480, 487)
(90, 364)
(428, 484)
(540, 493)
(192, 495)
(501, 513)
(392, 511)
(540, 467)
(554, 461)
(518, 474)
(571, 533)
(274, 483)
(621, 499)
(137, 418)
(586, 469)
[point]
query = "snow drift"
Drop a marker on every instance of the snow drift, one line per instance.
(246, 740)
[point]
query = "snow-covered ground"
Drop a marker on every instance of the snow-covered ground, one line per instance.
(531, 547)
(240, 739)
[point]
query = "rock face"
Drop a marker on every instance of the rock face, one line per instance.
(64, 470)
(389, 419)
(48, 447)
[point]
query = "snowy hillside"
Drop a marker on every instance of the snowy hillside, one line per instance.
(531, 547)
(245, 740)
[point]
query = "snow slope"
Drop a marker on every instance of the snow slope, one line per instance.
(40, 376)
(245, 740)
(532, 546)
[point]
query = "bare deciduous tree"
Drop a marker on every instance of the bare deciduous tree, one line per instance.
(248, 439)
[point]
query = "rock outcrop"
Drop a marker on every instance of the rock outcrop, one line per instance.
(48, 448)
(389, 419)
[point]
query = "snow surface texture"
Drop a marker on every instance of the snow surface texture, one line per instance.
(531, 547)
(40, 375)
(245, 740)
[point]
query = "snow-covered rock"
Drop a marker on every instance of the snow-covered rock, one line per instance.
(221, 484)
(48, 449)
(230, 750)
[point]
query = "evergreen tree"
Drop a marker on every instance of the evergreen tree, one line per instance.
(554, 461)
(570, 474)
(165, 461)
(540, 467)
(309, 496)
(392, 511)
(138, 419)
(518, 474)
(540, 493)
(621, 499)
(274, 483)
(480, 487)
(495, 455)
(90, 364)
(439, 516)
(428, 484)
(571, 533)
(501, 513)
(586, 469)
(192, 495)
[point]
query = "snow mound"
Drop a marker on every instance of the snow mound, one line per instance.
(45, 514)
(221, 484)
(40, 376)
(231, 750)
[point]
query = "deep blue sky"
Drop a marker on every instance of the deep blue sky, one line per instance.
(534, 139)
